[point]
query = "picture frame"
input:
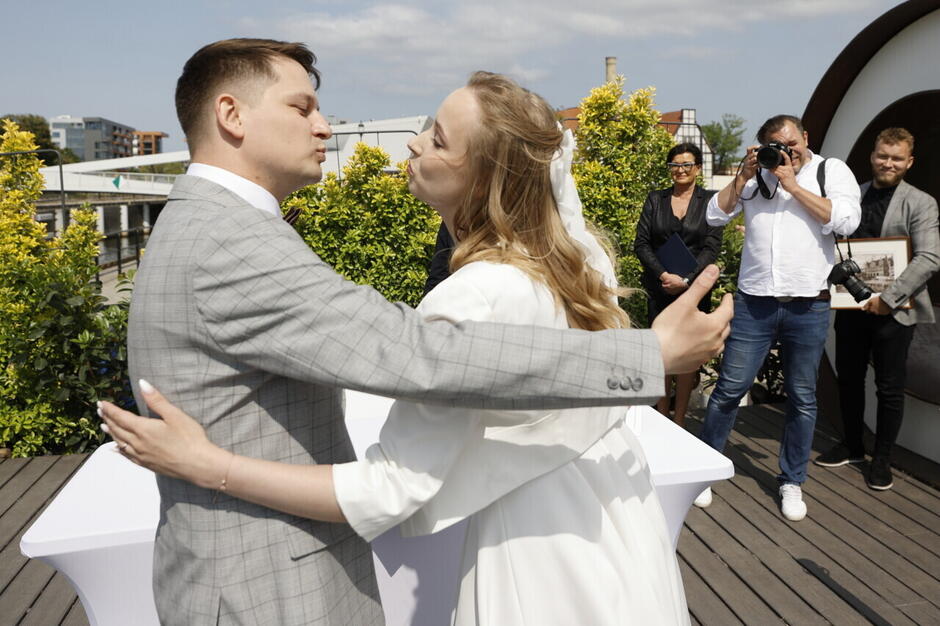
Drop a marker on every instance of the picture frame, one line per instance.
(881, 260)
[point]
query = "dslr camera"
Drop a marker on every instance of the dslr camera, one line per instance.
(844, 273)
(771, 155)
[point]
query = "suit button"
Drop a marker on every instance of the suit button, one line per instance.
(637, 384)
(626, 383)
(612, 383)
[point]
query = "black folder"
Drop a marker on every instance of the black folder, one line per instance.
(676, 257)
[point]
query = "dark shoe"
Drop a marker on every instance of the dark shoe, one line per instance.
(838, 455)
(879, 474)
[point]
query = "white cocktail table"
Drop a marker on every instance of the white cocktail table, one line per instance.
(99, 530)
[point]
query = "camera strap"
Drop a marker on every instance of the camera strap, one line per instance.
(821, 177)
(764, 189)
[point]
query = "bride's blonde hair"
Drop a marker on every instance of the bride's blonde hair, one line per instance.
(509, 214)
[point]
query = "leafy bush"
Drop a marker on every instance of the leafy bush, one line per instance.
(369, 227)
(61, 348)
(621, 158)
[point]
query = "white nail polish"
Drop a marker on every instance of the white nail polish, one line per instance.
(104, 428)
(145, 387)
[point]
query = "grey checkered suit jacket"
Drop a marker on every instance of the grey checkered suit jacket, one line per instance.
(238, 322)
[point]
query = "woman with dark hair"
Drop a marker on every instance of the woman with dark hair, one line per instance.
(678, 210)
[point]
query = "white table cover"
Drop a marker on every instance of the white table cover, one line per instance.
(99, 530)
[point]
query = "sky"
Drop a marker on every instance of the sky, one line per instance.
(120, 60)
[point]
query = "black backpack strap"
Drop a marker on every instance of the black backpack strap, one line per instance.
(821, 177)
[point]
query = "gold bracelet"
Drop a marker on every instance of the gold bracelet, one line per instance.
(224, 482)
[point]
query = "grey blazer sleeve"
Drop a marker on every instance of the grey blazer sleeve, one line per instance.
(269, 301)
(921, 224)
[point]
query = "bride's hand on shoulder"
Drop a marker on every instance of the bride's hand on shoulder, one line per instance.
(174, 445)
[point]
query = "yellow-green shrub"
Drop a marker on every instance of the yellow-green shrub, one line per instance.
(369, 227)
(621, 158)
(61, 348)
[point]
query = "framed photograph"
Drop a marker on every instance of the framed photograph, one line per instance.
(881, 261)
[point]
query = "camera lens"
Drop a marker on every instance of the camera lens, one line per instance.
(858, 289)
(769, 157)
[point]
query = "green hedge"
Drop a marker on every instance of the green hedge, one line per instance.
(61, 348)
(369, 227)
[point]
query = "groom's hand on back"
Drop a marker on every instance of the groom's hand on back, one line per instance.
(687, 336)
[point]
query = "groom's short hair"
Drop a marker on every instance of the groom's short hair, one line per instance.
(229, 62)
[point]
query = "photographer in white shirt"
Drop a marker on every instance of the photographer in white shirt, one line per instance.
(792, 211)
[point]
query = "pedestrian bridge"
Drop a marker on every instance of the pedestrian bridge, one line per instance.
(104, 177)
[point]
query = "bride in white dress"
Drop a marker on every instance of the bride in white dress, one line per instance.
(565, 527)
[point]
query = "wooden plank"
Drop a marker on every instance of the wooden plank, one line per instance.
(76, 615)
(705, 606)
(764, 582)
(907, 517)
(746, 497)
(14, 488)
(40, 492)
(922, 612)
(777, 559)
(23, 590)
(11, 561)
(743, 602)
(905, 582)
(871, 525)
(847, 484)
(924, 496)
(9, 467)
(53, 603)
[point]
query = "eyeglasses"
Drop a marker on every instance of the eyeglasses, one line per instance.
(681, 166)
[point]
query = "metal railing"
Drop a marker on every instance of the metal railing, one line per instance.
(126, 250)
(166, 179)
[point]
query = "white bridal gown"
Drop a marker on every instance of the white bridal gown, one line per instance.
(564, 528)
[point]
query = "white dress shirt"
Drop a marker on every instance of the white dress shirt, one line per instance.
(787, 251)
(252, 193)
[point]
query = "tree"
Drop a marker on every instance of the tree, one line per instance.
(61, 348)
(725, 138)
(38, 126)
(621, 158)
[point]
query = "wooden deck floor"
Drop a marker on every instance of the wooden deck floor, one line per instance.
(31, 592)
(859, 557)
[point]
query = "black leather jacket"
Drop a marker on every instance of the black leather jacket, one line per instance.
(657, 223)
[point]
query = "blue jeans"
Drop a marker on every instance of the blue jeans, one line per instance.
(801, 328)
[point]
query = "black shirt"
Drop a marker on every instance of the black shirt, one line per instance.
(874, 206)
(440, 262)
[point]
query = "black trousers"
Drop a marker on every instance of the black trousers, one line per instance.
(858, 336)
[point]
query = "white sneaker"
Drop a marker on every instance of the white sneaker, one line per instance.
(791, 502)
(704, 499)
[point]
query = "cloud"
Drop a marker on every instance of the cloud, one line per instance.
(423, 47)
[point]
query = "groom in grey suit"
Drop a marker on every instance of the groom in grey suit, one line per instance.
(241, 325)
